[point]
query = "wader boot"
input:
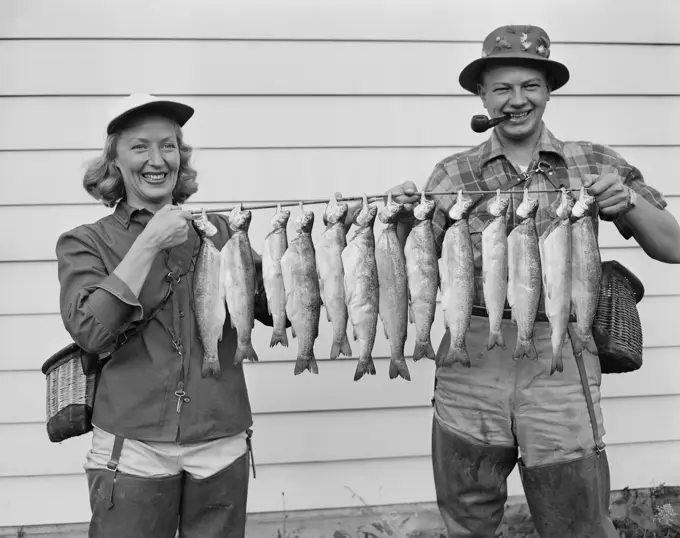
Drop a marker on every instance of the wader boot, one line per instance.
(570, 499)
(470, 482)
(132, 506)
(216, 506)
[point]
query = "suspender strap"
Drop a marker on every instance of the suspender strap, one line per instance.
(112, 465)
(599, 445)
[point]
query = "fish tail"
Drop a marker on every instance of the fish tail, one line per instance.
(398, 368)
(279, 337)
(341, 347)
(556, 365)
(306, 363)
(456, 354)
(525, 348)
(365, 366)
(211, 366)
(584, 340)
(495, 339)
(423, 348)
(245, 351)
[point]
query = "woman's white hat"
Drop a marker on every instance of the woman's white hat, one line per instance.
(138, 102)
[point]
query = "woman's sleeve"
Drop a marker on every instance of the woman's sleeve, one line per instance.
(96, 307)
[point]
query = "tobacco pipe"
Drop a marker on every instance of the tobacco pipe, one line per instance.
(481, 123)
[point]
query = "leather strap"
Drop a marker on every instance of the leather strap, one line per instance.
(112, 465)
(599, 445)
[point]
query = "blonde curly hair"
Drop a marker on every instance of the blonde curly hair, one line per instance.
(104, 182)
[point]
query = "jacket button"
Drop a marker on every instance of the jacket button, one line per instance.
(187, 399)
(181, 313)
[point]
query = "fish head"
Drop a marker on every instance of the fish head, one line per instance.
(583, 205)
(203, 226)
(280, 218)
(391, 211)
(461, 208)
(563, 210)
(528, 207)
(425, 208)
(239, 219)
(499, 205)
(305, 221)
(335, 211)
(366, 216)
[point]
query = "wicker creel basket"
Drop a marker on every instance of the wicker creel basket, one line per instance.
(72, 376)
(617, 329)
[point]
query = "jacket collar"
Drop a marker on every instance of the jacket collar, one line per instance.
(547, 143)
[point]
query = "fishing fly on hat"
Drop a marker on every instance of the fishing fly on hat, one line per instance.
(515, 42)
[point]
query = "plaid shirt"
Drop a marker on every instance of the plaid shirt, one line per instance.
(554, 164)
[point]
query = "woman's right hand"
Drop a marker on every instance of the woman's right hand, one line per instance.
(168, 228)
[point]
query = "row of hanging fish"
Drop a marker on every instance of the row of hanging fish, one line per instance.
(362, 279)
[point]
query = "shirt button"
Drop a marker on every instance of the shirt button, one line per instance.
(181, 313)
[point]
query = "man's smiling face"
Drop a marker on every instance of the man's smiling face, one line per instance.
(518, 91)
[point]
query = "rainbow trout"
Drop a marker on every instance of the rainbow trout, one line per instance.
(303, 300)
(362, 287)
(495, 268)
(208, 283)
(393, 288)
(586, 271)
(422, 270)
(524, 276)
(458, 281)
(275, 244)
(239, 283)
(332, 276)
(555, 251)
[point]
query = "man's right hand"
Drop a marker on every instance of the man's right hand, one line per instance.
(168, 228)
(405, 194)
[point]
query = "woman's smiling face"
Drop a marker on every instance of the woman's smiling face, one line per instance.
(520, 92)
(147, 155)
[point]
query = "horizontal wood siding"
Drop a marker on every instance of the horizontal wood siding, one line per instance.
(299, 100)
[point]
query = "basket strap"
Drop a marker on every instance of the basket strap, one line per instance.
(578, 355)
(112, 465)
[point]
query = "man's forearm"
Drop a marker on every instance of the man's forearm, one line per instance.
(655, 230)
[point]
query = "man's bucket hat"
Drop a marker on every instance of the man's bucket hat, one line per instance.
(135, 103)
(515, 42)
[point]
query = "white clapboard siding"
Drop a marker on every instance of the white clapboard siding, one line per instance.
(33, 288)
(656, 315)
(46, 223)
(379, 433)
(232, 175)
(351, 483)
(322, 121)
(274, 389)
(309, 68)
(607, 21)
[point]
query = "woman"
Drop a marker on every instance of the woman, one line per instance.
(169, 448)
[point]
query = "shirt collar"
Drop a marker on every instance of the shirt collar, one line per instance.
(547, 143)
(124, 213)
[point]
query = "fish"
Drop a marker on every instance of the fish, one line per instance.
(240, 283)
(393, 288)
(362, 287)
(458, 281)
(329, 249)
(555, 251)
(495, 268)
(209, 305)
(303, 297)
(422, 271)
(586, 271)
(275, 244)
(524, 276)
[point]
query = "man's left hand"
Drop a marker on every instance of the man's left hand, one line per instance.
(610, 194)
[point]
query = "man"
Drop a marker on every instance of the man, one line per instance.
(486, 412)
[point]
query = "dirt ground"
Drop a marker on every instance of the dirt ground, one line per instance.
(649, 513)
